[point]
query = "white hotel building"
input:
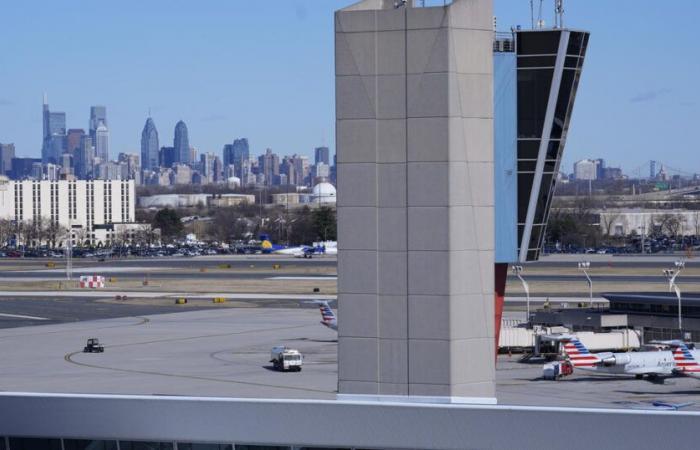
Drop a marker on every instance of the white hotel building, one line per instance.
(95, 206)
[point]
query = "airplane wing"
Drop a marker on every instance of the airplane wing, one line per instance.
(670, 406)
(650, 371)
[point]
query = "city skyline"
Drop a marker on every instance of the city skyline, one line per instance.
(236, 80)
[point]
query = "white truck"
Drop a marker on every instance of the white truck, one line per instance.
(286, 359)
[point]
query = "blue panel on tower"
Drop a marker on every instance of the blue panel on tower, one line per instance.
(505, 156)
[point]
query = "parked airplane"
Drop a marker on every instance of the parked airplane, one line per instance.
(328, 317)
(686, 359)
(652, 363)
(308, 251)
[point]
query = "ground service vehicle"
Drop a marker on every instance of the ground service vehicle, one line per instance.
(286, 359)
(93, 346)
(557, 369)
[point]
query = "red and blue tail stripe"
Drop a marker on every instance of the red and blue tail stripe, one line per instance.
(579, 355)
(326, 313)
(684, 359)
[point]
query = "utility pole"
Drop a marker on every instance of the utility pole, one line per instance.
(69, 251)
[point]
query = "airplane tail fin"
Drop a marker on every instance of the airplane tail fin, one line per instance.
(327, 315)
(577, 353)
(683, 357)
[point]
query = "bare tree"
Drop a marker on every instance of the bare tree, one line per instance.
(55, 232)
(674, 224)
(607, 221)
(6, 232)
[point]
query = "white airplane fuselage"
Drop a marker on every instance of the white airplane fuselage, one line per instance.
(632, 363)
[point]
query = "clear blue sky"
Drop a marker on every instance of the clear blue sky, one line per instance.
(264, 70)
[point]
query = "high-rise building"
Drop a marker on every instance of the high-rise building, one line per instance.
(131, 166)
(98, 114)
(217, 169)
(167, 156)
(322, 155)
(240, 151)
(66, 163)
(7, 154)
(102, 142)
(301, 170)
(206, 167)
(181, 174)
(22, 167)
(54, 142)
(181, 144)
(84, 160)
(149, 145)
(73, 138)
(269, 166)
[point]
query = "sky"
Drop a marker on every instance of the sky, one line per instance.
(264, 70)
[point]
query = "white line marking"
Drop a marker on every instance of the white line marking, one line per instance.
(303, 278)
(19, 316)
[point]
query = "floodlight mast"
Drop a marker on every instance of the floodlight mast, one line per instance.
(671, 275)
(584, 266)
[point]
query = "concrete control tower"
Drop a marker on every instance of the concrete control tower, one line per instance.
(414, 96)
(449, 139)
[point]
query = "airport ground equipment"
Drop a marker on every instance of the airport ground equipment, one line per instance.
(286, 359)
(556, 369)
(93, 346)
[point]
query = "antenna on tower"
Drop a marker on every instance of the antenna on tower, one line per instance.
(559, 13)
(540, 20)
(532, 14)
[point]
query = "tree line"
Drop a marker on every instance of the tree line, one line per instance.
(244, 222)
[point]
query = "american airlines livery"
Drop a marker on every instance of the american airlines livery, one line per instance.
(630, 363)
(684, 357)
(328, 317)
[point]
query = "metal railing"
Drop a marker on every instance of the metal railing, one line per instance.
(504, 43)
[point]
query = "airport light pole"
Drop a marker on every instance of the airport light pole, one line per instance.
(517, 271)
(671, 275)
(584, 266)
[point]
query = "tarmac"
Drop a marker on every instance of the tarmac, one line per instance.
(225, 353)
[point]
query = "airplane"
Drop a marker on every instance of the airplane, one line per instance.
(684, 357)
(328, 317)
(652, 363)
(298, 252)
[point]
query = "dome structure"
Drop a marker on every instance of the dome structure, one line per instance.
(323, 193)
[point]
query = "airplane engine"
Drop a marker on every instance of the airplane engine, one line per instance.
(615, 359)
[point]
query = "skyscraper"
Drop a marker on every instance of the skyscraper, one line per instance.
(206, 163)
(73, 139)
(97, 114)
(182, 144)
(149, 145)
(269, 166)
(7, 153)
(167, 156)
(322, 155)
(84, 159)
(102, 142)
(241, 152)
(54, 141)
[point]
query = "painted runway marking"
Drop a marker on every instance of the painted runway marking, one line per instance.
(20, 316)
(303, 278)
